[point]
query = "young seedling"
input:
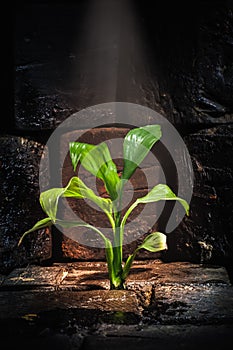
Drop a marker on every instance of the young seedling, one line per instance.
(97, 160)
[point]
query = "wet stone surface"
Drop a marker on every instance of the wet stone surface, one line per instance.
(58, 72)
(70, 306)
(20, 208)
(205, 236)
(34, 276)
(180, 304)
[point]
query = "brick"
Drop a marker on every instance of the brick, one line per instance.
(20, 209)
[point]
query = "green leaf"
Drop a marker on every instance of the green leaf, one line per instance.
(98, 161)
(39, 225)
(49, 201)
(162, 192)
(78, 151)
(70, 224)
(154, 242)
(128, 265)
(158, 193)
(75, 189)
(137, 144)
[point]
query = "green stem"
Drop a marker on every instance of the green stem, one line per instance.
(111, 220)
(129, 263)
(117, 249)
(122, 225)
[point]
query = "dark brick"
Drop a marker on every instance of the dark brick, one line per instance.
(206, 235)
(20, 208)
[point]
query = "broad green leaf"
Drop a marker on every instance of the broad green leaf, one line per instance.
(98, 161)
(158, 193)
(154, 242)
(137, 144)
(162, 192)
(39, 225)
(49, 201)
(71, 223)
(76, 189)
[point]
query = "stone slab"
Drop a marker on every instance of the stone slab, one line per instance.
(178, 272)
(191, 303)
(21, 303)
(83, 276)
(34, 277)
(90, 275)
(171, 305)
(147, 272)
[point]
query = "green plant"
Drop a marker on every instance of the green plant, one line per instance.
(97, 160)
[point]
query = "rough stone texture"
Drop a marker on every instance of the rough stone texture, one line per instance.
(93, 275)
(39, 302)
(34, 276)
(184, 304)
(64, 67)
(20, 209)
(57, 73)
(194, 65)
(175, 305)
(176, 59)
(206, 235)
(156, 285)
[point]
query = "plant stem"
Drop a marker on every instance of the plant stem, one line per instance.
(117, 245)
(117, 248)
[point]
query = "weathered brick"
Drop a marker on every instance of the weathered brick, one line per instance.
(20, 208)
(206, 235)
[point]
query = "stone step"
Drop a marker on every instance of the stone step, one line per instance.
(85, 274)
(69, 306)
(162, 292)
(33, 304)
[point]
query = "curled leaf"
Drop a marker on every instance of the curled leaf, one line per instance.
(98, 161)
(137, 144)
(154, 242)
